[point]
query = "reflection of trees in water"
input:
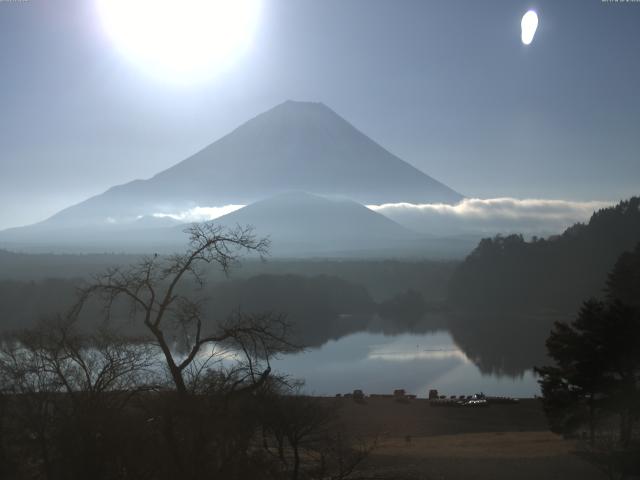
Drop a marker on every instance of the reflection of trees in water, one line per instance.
(423, 324)
(315, 332)
(497, 344)
(502, 344)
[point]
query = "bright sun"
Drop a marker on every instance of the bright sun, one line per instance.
(182, 41)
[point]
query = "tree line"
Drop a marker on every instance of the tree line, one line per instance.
(508, 273)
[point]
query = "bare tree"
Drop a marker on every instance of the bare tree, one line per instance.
(158, 291)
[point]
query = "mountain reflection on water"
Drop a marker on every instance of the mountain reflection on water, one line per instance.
(386, 356)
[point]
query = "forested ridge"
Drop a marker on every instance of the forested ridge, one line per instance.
(508, 273)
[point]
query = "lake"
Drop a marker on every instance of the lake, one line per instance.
(380, 363)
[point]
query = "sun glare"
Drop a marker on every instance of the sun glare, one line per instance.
(182, 41)
(529, 26)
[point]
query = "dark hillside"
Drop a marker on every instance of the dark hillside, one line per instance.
(558, 273)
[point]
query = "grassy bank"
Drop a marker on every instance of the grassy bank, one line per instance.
(415, 440)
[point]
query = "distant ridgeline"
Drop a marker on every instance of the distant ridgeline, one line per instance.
(506, 274)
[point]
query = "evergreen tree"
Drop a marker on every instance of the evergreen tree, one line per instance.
(597, 359)
(574, 388)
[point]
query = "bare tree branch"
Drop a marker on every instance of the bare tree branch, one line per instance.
(154, 288)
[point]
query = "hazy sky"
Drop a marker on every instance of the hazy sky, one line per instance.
(447, 86)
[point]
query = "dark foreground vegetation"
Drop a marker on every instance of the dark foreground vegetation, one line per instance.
(77, 406)
(185, 399)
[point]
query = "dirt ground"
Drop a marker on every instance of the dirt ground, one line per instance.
(416, 441)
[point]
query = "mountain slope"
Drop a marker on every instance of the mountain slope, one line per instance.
(299, 224)
(297, 146)
(302, 224)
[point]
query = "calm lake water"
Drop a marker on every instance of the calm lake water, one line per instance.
(379, 363)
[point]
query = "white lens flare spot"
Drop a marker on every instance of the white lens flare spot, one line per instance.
(529, 26)
(182, 41)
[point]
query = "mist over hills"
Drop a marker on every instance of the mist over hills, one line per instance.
(299, 224)
(295, 146)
